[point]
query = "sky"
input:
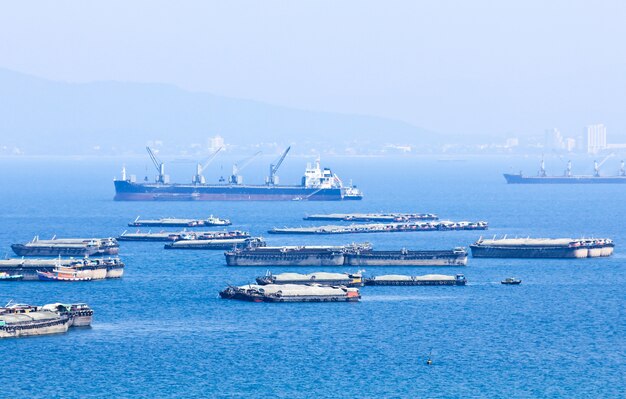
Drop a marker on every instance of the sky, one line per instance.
(463, 67)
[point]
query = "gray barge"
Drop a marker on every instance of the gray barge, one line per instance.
(183, 235)
(180, 222)
(382, 228)
(291, 293)
(428, 279)
(404, 257)
(292, 255)
(94, 268)
(215, 244)
(542, 248)
(67, 247)
(322, 278)
(373, 217)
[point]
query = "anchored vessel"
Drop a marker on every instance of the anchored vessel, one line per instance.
(93, 268)
(231, 243)
(542, 248)
(356, 255)
(404, 257)
(568, 177)
(183, 235)
(317, 184)
(4, 276)
(374, 217)
(178, 222)
(67, 247)
(382, 228)
(429, 279)
(19, 320)
(322, 278)
(291, 293)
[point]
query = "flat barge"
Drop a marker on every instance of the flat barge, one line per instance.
(542, 248)
(428, 279)
(165, 236)
(354, 255)
(382, 228)
(20, 320)
(404, 257)
(179, 222)
(67, 247)
(373, 217)
(94, 268)
(322, 278)
(214, 244)
(291, 293)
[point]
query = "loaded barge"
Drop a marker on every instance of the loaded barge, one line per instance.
(322, 278)
(93, 268)
(232, 243)
(291, 293)
(382, 228)
(428, 279)
(355, 255)
(542, 248)
(19, 320)
(183, 235)
(178, 222)
(67, 247)
(373, 217)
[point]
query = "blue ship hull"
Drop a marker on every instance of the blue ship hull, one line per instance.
(520, 179)
(128, 191)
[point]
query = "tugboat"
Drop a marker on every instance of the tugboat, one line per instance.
(511, 281)
(4, 276)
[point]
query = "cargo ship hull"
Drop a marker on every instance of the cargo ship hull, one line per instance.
(407, 258)
(520, 179)
(528, 252)
(284, 259)
(129, 191)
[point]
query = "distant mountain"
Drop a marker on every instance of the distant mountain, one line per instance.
(39, 116)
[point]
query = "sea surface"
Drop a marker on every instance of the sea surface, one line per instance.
(162, 332)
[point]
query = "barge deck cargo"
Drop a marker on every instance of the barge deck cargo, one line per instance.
(322, 278)
(95, 268)
(542, 248)
(382, 228)
(373, 217)
(179, 222)
(183, 235)
(217, 244)
(291, 293)
(455, 257)
(428, 279)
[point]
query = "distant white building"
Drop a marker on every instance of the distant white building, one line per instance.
(554, 139)
(596, 138)
(215, 143)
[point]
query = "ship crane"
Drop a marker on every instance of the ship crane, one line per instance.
(568, 170)
(235, 178)
(542, 170)
(198, 178)
(272, 178)
(596, 165)
(622, 169)
(160, 166)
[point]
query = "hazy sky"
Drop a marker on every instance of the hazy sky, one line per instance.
(453, 66)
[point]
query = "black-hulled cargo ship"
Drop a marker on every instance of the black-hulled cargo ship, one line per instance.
(542, 248)
(317, 185)
(568, 177)
(67, 247)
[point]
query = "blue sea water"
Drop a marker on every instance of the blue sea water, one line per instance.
(162, 332)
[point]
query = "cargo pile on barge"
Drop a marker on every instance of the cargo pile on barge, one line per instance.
(322, 278)
(382, 228)
(291, 293)
(355, 255)
(179, 222)
(183, 235)
(67, 247)
(428, 279)
(373, 217)
(91, 268)
(19, 320)
(542, 248)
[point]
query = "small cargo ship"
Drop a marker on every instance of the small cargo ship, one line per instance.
(61, 273)
(231, 243)
(183, 235)
(95, 268)
(373, 217)
(511, 281)
(317, 184)
(291, 293)
(542, 248)
(382, 228)
(322, 278)
(179, 222)
(404, 257)
(67, 247)
(4, 276)
(568, 177)
(428, 279)
(292, 255)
